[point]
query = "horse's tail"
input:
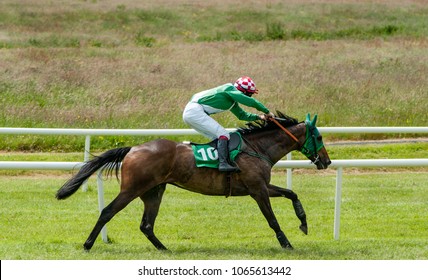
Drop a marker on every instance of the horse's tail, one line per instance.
(109, 160)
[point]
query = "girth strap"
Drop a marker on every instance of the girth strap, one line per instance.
(228, 190)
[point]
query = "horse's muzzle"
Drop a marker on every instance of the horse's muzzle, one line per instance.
(323, 165)
(321, 162)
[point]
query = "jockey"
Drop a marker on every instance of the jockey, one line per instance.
(226, 97)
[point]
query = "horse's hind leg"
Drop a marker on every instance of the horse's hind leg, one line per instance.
(275, 191)
(152, 200)
(120, 202)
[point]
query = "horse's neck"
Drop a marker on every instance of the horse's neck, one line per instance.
(275, 144)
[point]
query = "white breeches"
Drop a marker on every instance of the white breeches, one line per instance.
(195, 116)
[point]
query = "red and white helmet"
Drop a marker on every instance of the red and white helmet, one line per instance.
(246, 85)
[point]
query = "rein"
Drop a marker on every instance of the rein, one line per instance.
(275, 120)
(285, 130)
(316, 156)
(258, 155)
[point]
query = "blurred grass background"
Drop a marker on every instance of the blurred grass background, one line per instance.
(120, 64)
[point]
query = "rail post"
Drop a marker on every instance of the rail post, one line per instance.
(86, 158)
(338, 201)
(101, 202)
(289, 174)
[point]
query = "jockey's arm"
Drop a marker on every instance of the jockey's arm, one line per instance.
(248, 101)
(243, 115)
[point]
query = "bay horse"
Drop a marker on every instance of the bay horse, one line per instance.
(146, 169)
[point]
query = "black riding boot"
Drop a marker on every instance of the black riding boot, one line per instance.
(223, 155)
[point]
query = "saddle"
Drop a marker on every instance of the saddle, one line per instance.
(206, 155)
(234, 141)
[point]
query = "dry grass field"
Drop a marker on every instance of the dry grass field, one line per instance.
(135, 64)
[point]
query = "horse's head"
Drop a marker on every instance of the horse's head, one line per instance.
(313, 147)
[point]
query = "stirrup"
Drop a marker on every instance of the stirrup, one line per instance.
(225, 167)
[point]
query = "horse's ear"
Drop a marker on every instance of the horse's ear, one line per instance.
(314, 121)
(308, 117)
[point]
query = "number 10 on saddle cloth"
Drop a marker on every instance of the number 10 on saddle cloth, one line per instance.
(206, 155)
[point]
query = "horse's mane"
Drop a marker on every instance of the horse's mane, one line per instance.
(260, 125)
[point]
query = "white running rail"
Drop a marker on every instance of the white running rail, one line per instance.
(289, 164)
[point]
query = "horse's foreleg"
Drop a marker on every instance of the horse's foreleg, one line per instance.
(262, 199)
(120, 202)
(275, 191)
(152, 200)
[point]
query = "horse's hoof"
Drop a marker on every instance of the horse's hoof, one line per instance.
(163, 248)
(87, 247)
(288, 247)
(304, 228)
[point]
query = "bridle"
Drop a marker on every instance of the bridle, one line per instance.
(302, 147)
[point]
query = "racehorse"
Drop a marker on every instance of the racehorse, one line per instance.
(147, 169)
